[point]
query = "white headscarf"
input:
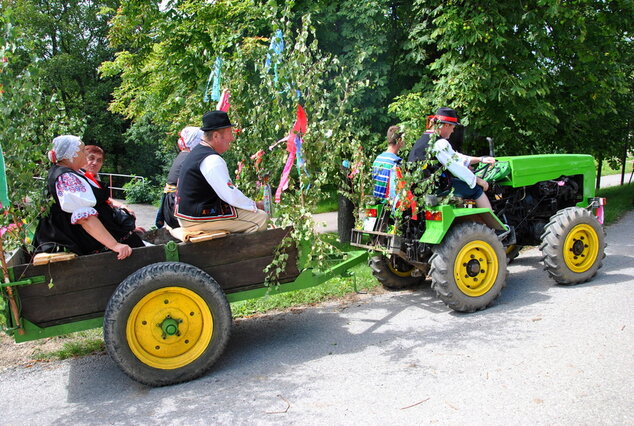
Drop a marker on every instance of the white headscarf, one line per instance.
(190, 136)
(65, 147)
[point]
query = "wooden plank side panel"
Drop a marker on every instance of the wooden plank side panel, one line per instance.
(248, 273)
(60, 308)
(86, 272)
(231, 249)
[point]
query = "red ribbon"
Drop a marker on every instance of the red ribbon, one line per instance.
(446, 118)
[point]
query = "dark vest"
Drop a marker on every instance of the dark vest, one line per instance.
(419, 153)
(195, 198)
(55, 232)
(175, 170)
(419, 150)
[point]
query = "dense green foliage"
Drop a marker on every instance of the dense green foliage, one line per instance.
(66, 42)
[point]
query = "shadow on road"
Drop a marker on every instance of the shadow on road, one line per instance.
(286, 351)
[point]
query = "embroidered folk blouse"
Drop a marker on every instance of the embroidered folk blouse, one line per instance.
(76, 196)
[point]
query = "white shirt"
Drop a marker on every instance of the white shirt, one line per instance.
(214, 169)
(75, 196)
(455, 162)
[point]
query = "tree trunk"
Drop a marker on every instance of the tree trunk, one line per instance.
(598, 185)
(345, 218)
(624, 161)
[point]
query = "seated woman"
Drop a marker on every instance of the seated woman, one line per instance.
(189, 137)
(80, 220)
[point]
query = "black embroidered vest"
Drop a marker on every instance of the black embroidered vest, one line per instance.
(195, 198)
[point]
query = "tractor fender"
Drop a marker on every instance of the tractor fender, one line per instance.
(441, 218)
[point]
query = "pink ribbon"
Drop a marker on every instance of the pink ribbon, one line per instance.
(283, 186)
(223, 102)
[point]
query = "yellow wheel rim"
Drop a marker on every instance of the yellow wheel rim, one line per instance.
(169, 328)
(476, 268)
(581, 248)
(510, 248)
(397, 272)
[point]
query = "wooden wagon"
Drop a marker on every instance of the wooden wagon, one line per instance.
(164, 310)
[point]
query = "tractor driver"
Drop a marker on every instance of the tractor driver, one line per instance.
(463, 181)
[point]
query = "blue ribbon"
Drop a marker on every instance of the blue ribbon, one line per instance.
(214, 80)
(274, 54)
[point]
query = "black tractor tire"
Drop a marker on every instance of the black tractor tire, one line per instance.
(512, 252)
(573, 246)
(393, 273)
(468, 269)
(167, 323)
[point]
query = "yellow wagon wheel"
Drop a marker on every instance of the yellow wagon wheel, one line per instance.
(169, 328)
(167, 323)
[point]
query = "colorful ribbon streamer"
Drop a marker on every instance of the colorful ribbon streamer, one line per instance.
(274, 54)
(223, 103)
(214, 81)
(409, 201)
(293, 146)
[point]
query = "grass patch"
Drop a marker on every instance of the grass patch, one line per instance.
(329, 203)
(75, 345)
(620, 201)
(606, 169)
(336, 287)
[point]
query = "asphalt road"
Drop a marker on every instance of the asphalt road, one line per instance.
(544, 354)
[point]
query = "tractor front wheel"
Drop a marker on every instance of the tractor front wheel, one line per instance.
(167, 323)
(573, 246)
(468, 269)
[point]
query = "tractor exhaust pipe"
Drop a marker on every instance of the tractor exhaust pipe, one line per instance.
(491, 151)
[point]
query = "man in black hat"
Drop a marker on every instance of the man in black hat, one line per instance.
(464, 183)
(206, 199)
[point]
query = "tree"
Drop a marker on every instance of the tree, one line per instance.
(68, 41)
(532, 75)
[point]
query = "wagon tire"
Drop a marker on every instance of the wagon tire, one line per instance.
(573, 246)
(167, 323)
(393, 273)
(468, 269)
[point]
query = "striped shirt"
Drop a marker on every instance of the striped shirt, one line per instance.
(383, 176)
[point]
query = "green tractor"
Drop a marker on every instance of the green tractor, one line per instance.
(545, 200)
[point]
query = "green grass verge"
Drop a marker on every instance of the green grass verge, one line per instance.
(606, 169)
(75, 345)
(620, 200)
(336, 287)
(329, 203)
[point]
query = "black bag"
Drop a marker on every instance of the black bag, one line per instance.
(123, 219)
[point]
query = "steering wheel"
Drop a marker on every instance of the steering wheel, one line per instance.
(483, 169)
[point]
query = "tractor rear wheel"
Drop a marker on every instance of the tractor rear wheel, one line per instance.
(468, 269)
(167, 323)
(573, 246)
(394, 273)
